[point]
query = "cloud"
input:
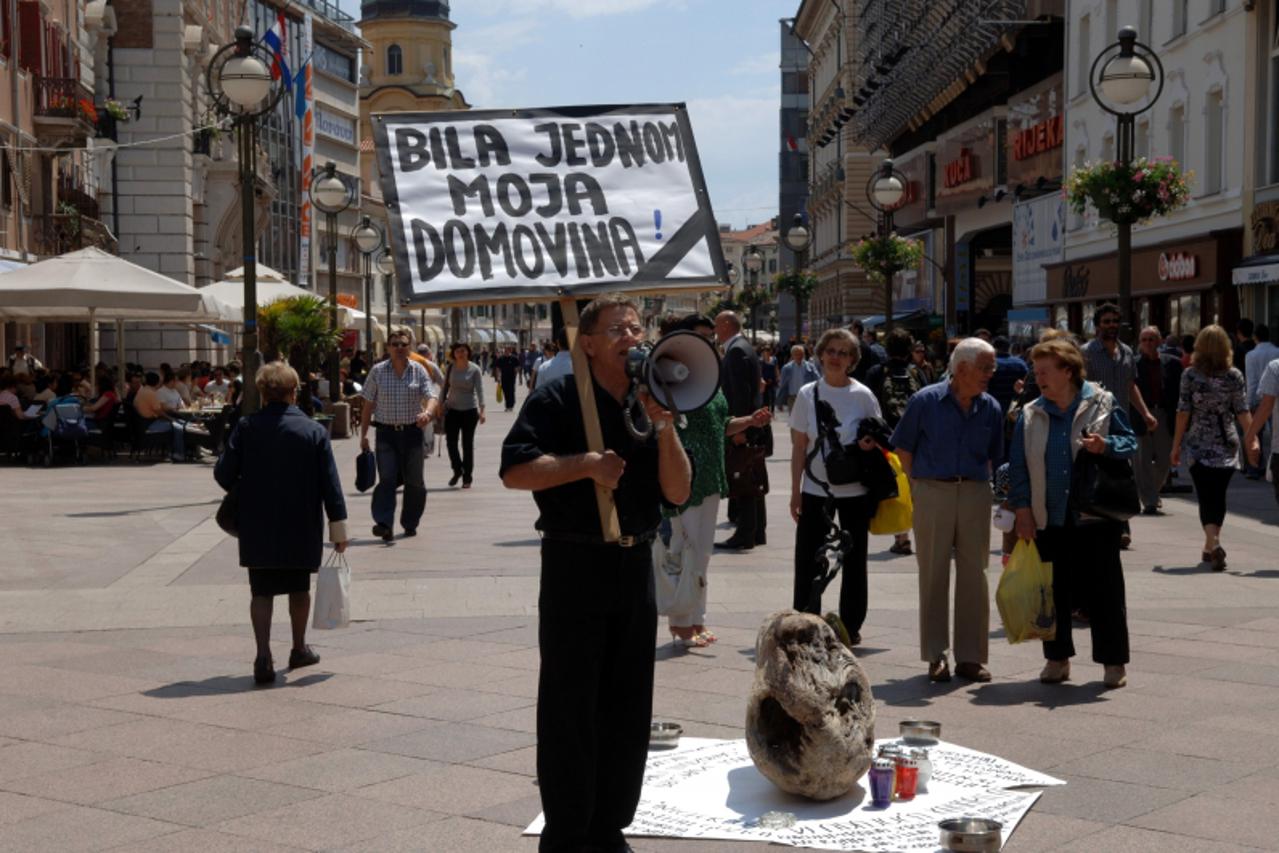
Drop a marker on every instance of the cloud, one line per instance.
(768, 63)
(737, 138)
(486, 82)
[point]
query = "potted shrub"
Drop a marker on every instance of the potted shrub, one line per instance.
(881, 257)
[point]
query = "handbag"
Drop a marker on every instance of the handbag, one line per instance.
(843, 462)
(229, 511)
(333, 594)
(1104, 487)
(747, 474)
(365, 470)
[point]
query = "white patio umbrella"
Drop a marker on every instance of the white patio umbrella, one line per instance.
(271, 287)
(90, 285)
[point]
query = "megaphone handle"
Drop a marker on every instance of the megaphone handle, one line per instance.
(610, 527)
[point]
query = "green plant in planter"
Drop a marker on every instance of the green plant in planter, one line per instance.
(1129, 192)
(880, 257)
(800, 286)
(297, 329)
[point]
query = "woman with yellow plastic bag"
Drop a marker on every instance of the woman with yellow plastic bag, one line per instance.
(1025, 596)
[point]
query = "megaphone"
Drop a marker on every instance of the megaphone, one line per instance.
(680, 371)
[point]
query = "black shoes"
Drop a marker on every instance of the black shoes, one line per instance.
(263, 671)
(410, 533)
(453, 480)
(304, 656)
(385, 532)
(734, 544)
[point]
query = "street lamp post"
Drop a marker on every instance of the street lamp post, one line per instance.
(1120, 81)
(754, 262)
(331, 195)
(884, 191)
(798, 239)
(239, 83)
(368, 239)
(386, 266)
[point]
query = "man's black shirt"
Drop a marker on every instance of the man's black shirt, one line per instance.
(506, 366)
(551, 423)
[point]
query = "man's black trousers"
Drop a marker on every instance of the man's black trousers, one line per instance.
(596, 626)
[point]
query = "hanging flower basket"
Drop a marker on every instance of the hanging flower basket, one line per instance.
(116, 109)
(880, 257)
(799, 285)
(1129, 193)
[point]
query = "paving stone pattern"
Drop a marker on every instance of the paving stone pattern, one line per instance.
(129, 720)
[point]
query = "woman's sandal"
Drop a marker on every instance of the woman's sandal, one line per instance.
(697, 641)
(705, 634)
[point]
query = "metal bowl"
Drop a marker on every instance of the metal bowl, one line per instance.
(664, 735)
(971, 835)
(926, 732)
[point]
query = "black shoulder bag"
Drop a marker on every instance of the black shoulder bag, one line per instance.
(1104, 486)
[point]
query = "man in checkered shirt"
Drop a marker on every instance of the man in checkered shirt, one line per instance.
(400, 401)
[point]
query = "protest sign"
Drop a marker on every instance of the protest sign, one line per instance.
(516, 205)
(711, 789)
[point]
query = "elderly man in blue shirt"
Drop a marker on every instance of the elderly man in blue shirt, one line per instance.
(948, 438)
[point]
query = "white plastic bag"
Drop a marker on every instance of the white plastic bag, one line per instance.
(333, 594)
(675, 578)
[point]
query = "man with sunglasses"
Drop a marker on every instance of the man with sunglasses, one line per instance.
(400, 401)
(596, 612)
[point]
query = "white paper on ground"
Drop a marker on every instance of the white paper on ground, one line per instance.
(710, 789)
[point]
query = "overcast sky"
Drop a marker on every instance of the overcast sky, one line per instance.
(718, 56)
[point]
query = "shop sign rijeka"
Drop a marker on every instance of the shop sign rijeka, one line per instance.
(1177, 266)
(546, 203)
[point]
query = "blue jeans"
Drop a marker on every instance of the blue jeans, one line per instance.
(399, 458)
(179, 451)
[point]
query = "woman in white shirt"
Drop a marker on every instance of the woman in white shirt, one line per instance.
(811, 506)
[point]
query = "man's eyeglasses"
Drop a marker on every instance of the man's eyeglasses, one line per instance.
(397, 344)
(616, 330)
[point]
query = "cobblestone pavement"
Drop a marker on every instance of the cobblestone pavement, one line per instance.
(128, 718)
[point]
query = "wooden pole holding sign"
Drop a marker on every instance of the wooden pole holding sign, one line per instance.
(609, 525)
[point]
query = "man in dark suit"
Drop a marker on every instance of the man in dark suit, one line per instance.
(740, 376)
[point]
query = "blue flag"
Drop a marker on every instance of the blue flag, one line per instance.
(299, 91)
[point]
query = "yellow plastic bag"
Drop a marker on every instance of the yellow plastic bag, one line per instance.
(1025, 596)
(895, 514)
(499, 392)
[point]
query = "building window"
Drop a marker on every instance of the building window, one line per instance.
(6, 176)
(1216, 7)
(1083, 56)
(1141, 139)
(1108, 147)
(1180, 17)
(1214, 143)
(394, 60)
(1146, 20)
(1177, 134)
(332, 62)
(1112, 18)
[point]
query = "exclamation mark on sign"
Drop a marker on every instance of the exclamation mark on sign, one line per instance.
(657, 223)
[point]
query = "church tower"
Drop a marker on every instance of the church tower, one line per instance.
(410, 64)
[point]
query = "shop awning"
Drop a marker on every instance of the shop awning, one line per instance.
(877, 320)
(1258, 269)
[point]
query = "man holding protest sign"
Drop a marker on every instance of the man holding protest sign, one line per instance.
(597, 616)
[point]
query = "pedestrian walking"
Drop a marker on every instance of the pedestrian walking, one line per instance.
(948, 439)
(769, 372)
(1111, 364)
(1255, 366)
(463, 410)
(871, 351)
(400, 402)
(504, 367)
(692, 536)
(740, 379)
(280, 463)
(814, 500)
(796, 373)
(1159, 380)
(1268, 388)
(1213, 397)
(596, 611)
(1069, 417)
(894, 382)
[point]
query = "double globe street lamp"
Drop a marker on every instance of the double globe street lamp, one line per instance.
(331, 195)
(1120, 81)
(239, 83)
(754, 262)
(386, 265)
(368, 238)
(884, 191)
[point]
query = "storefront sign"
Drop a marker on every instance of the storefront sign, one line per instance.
(1265, 227)
(966, 164)
(1177, 266)
(1036, 134)
(1182, 268)
(334, 126)
(914, 169)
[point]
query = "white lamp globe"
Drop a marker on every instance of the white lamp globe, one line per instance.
(246, 81)
(888, 191)
(368, 239)
(386, 264)
(329, 193)
(754, 261)
(1126, 79)
(733, 274)
(797, 237)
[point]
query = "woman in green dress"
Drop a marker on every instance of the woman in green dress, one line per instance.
(681, 571)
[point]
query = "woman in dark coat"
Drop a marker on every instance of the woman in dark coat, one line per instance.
(283, 463)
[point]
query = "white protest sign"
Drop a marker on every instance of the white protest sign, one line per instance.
(710, 789)
(548, 203)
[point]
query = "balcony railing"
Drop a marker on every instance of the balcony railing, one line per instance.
(64, 97)
(59, 233)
